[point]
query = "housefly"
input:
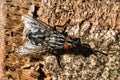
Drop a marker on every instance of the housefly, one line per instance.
(43, 38)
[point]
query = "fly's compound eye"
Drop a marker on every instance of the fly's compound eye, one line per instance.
(66, 46)
(68, 43)
(68, 38)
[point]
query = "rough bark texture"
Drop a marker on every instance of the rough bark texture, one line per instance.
(2, 41)
(97, 23)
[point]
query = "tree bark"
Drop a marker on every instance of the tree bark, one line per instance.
(2, 41)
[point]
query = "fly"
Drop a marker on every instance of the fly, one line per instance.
(44, 38)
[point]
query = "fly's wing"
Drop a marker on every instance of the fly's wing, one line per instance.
(31, 24)
(38, 29)
(30, 48)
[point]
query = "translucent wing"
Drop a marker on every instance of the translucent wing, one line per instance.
(36, 32)
(31, 23)
(30, 48)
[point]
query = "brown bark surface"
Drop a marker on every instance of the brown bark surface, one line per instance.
(100, 31)
(2, 40)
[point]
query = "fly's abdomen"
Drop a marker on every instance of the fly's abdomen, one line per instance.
(56, 41)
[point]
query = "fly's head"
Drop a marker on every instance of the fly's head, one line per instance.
(71, 42)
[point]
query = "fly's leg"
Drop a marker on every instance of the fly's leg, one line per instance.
(57, 54)
(58, 61)
(64, 26)
(100, 52)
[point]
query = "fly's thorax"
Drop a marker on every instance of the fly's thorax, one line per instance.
(56, 40)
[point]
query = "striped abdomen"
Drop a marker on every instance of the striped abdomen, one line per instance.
(37, 37)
